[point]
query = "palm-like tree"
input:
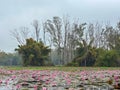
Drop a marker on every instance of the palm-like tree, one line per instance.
(85, 54)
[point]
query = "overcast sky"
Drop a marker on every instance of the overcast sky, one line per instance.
(17, 13)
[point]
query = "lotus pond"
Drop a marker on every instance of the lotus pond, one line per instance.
(59, 78)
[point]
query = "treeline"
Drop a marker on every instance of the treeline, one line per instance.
(70, 43)
(10, 59)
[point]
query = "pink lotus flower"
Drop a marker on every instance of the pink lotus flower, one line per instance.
(0, 81)
(18, 86)
(35, 87)
(44, 88)
(68, 82)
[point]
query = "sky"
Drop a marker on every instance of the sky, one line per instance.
(18, 13)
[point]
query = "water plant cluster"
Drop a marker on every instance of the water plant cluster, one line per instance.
(59, 80)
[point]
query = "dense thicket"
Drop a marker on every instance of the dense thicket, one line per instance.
(33, 53)
(71, 43)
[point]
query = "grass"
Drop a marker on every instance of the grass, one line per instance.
(60, 68)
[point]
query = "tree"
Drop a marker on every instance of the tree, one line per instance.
(37, 30)
(107, 58)
(9, 59)
(20, 35)
(112, 37)
(75, 37)
(65, 37)
(53, 27)
(33, 53)
(24, 33)
(74, 42)
(86, 55)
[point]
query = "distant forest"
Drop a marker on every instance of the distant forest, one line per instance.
(60, 41)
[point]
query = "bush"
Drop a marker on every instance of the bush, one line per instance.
(107, 58)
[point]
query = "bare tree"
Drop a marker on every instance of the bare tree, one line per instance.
(23, 33)
(91, 31)
(37, 30)
(44, 32)
(53, 27)
(20, 35)
(98, 35)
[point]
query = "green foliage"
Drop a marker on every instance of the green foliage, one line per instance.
(107, 51)
(96, 57)
(85, 54)
(33, 53)
(74, 44)
(107, 58)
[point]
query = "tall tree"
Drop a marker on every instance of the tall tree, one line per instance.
(53, 27)
(37, 30)
(86, 54)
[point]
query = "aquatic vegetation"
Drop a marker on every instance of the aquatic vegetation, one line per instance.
(59, 80)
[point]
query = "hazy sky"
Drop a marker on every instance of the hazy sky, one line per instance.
(17, 13)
